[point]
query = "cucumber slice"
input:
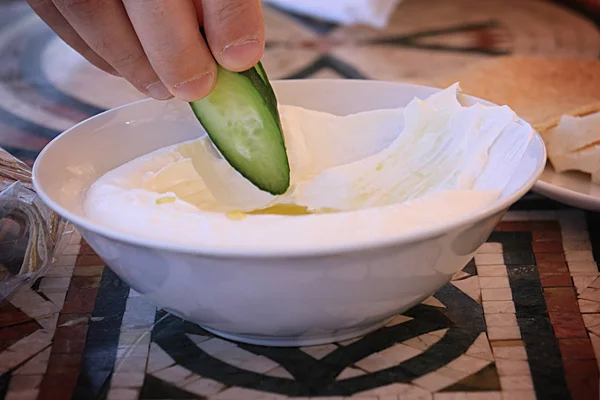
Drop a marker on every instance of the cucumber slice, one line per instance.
(245, 129)
(264, 88)
(269, 94)
(263, 74)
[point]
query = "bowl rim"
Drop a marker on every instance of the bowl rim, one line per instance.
(400, 239)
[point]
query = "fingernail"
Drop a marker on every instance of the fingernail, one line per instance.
(159, 91)
(195, 88)
(240, 55)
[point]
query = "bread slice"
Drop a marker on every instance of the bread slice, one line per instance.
(539, 90)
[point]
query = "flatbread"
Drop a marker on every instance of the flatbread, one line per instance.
(539, 90)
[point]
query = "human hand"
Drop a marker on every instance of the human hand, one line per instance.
(156, 44)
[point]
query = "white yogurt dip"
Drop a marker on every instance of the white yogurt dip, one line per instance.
(383, 172)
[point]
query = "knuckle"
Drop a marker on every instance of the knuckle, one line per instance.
(128, 59)
(176, 50)
(233, 9)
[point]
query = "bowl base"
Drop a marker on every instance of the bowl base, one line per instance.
(300, 341)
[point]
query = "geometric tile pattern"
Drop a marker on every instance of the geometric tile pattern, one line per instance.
(521, 321)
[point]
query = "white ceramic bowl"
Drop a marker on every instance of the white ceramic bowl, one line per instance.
(279, 298)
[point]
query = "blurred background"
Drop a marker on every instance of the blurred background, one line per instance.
(45, 87)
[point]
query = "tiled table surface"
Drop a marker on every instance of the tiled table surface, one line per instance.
(522, 321)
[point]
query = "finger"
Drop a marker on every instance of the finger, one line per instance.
(235, 30)
(170, 34)
(199, 13)
(46, 10)
(105, 27)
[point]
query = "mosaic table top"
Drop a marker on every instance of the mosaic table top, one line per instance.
(521, 321)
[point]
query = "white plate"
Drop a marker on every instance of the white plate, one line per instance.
(572, 188)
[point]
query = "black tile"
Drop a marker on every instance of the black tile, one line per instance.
(518, 257)
(155, 389)
(486, 379)
(470, 268)
(100, 350)
(593, 225)
(4, 381)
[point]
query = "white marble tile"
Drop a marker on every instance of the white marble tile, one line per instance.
(433, 381)
(122, 394)
(48, 322)
(582, 268)
(54, 284)
(63, 271)
(467, 364)
(197, 338)
(349, 373)
(512, 367)
(280, 372)
(498, 307)
(259, 364)
(422, 342)
(235, 356)
(592, 323)
(487, 248)
(468, 396)
(588, 306)
(375, 362)
(517, 353)
(58, 299)
(398, 319)
(596, 283)
(72, 249)
(236, 393)
(519, 395)
(432, 301)
(37, 365)
(493, 282)
(491, 270)
(318, 352)
(591, 294)
(577, 245)
(205, 387)
(66, 260)
(394, 389)
(134, 337)
(502, 294)
(489, 259)
(131, 364)
(24, 349)
(400, 352)
(28, 394)
(456, 375)
(158, 359)
(470, 286)
(127, 379)
(481, 348)
(505, 319)
(133, 350)
(582, 282)
(173, 374)
(504, 333)
(43, 309)
(579, 255)
(516, 382)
